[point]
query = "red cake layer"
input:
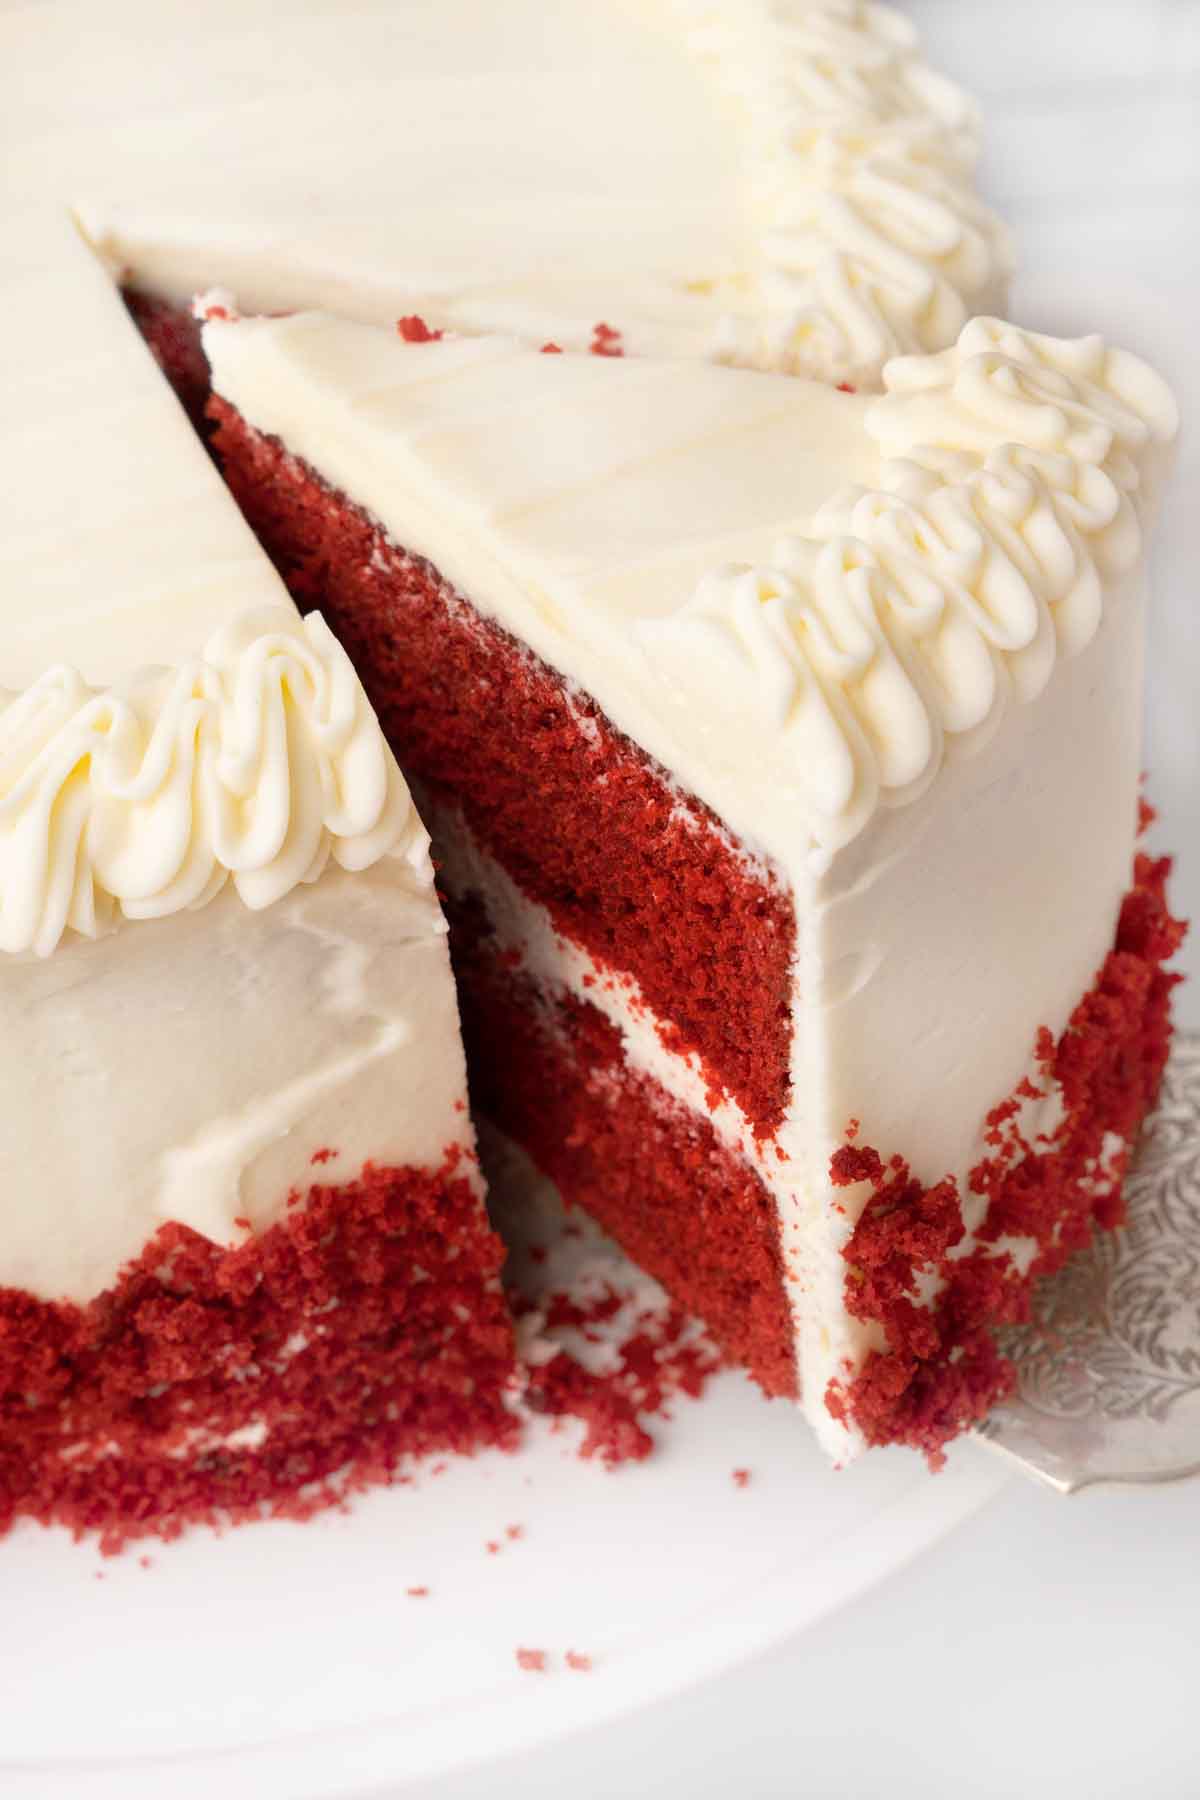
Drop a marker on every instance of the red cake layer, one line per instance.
(639, 874)
(366, 1326)
(552, 1075)
(173, 335)
(942, 1370)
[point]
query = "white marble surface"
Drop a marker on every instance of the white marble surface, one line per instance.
(1052, 1647)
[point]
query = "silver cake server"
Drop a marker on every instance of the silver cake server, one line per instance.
(1108, 1369)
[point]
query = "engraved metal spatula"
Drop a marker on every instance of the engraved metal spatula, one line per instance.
(1109, 1367)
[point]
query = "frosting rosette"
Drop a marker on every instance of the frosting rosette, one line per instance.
(256, 762)
(1017, 473)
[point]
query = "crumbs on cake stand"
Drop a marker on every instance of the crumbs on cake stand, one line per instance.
(540, 1662)
(599, 1341)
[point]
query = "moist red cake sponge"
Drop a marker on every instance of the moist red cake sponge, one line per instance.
(366, 1327)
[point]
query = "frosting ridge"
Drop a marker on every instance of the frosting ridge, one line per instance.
(870, 237)
(1018, 469)
(256, 762)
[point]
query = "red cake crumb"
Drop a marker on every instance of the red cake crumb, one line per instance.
(844, 387)
(741, 1477)
(121, 1417)
(414, 330)
(552, 349)
(417, 1593)
(656, 1360)
(322, 1156)
(708, 938)
(606, 341)
(532, 1660)
(942, 1370)
(514, 1532)
(576, 1659)
(492, 1547)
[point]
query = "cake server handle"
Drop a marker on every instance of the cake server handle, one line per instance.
(1108, 1369)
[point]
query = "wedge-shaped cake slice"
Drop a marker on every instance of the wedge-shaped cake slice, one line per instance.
(243, 1248)
(780, 748)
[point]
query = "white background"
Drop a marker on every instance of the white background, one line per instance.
(1051, 1646)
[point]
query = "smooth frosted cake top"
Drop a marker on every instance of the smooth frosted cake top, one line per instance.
(781, 184)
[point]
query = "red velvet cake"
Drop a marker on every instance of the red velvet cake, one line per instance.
(759, 621)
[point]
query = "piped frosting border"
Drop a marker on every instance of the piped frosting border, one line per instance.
(256, 762)
(1019, 469)
(859, 163)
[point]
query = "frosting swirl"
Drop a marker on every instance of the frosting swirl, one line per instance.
(859, 160)
(1017, 475)
(255, 762)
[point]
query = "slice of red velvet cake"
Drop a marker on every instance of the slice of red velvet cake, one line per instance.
(781, 749)
(244, 1257)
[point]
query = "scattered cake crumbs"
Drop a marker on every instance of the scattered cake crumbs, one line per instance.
(414, 330)
(648, 1359)
(514, 1532)
(417, 1593)
(606, 341)
(941, 1367)
(533, 1661)
(741, 1478)
(576, 1659)
(492, 1547)
(552, 349)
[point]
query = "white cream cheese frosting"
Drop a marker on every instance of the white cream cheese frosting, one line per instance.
(783, 183)
(867, 581)
(1016, 473)
(190, 1065)
(192, 1068)
(255, 762)
(859, 164)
